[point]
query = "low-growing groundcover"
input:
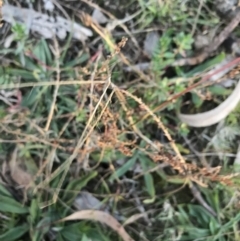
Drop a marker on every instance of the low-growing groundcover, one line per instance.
(78, 130)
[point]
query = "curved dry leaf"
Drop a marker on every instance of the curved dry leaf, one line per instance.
(102, 217)
(134, 218)
(215, 115)
(20, 176)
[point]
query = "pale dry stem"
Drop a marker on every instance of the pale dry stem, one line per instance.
(58, 71)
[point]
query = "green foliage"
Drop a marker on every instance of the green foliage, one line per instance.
(15, 233)
(194, 222)
(166, 11)
(163, 55)
(77, 184)
(183, 41)
(154, 198)
(19, 31)
(9, 205)
(124, 168)
(197, 101)
(149, 182)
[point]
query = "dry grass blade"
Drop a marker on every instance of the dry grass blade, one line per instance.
(134, 218)
(86, 133)
(101, 217)
(49, 83)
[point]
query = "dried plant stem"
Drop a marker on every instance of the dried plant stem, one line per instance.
(86, 133)
(50, 83)
(122, 100)
(58, 71)
(157, 120)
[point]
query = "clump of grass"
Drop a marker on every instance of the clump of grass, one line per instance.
(72, 125)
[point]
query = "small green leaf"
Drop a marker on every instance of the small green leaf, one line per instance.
(79, 60)
(4, 191)
(81, 115)
(148, 178)
(30, 65)
(47, 51)
(44, 224)
(27, 75)
(77, 185)
(206, 65)
(33, 96)
(182, 149)
(197, 101)
(39, 52)
(169, 55)
(125, 167)
(184, 41)
(219, 90)
(84, 238)
(70, 234)
(34, 209)
(213, 226)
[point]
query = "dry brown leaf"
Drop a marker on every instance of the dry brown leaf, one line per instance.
(102, 217)
(19, 175)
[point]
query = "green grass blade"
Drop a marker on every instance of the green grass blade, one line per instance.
(145, 163)
(14, 233)
(8, 204)
(122, 170)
